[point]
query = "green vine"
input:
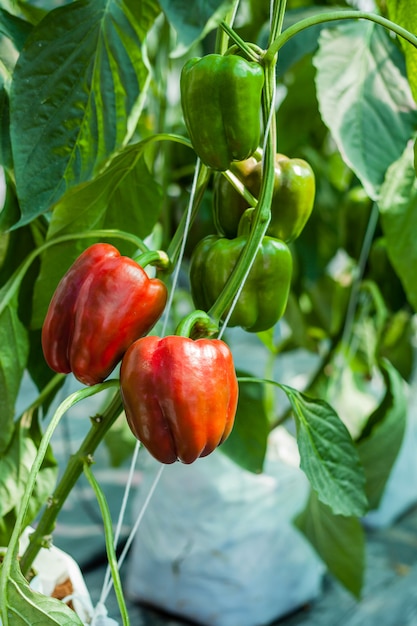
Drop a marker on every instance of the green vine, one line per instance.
(323, 18)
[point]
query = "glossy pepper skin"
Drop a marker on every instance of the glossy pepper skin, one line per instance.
(292, 203)
(221, 99)
(264, 296)
(102, 304)
(180, 395)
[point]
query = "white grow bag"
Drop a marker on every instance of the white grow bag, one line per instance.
(54, 567)
(217, 544)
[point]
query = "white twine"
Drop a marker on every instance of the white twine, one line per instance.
(97, 619)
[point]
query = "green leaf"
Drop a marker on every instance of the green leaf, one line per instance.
(13, 34)
(6, 159)
(15, 466)
(403, 12)
(339, 541)
(298, 119)
(247, 442)
(125, 196)
(398, 210)
(383, 434)
(22, 606)
(10, 211)
(13, 357)
(299, 326)
(397, 342)
(364, 98)
(328, 455)
(330, 298)
(16, 31)
(76, 96)
(303, 43)
(193, 20)
(136, 203)
(29, 10)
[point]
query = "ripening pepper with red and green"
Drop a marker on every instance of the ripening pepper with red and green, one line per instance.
(102, 304)
(292, 201)
(180, 395)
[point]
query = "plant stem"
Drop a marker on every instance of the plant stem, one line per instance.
(100, 425)
(222, 37)
(196, 324)
(322, 18)
(263, 207)
(240, 187)
(158, 258)
(108, 534)
(277, 19)
(246, 48)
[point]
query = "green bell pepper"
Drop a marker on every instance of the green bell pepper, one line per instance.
(221, 99)
(292, 203)
(264, 296)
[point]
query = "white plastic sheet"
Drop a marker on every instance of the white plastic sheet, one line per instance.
(217, 544)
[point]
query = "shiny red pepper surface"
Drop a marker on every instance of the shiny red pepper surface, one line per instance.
(180, 395)
(100, 307)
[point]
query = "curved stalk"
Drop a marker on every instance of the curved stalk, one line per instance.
(322, 18)
(196, 324)
(158, 258)
(108, 535)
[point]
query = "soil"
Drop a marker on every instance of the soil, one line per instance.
(62, 590)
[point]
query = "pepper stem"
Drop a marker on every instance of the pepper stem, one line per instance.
(197, 324)
(241, 44)
(159, 258)
(245, 222)
(237, 184)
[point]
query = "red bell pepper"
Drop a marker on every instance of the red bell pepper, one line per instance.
(180, 395)
(101, 306)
